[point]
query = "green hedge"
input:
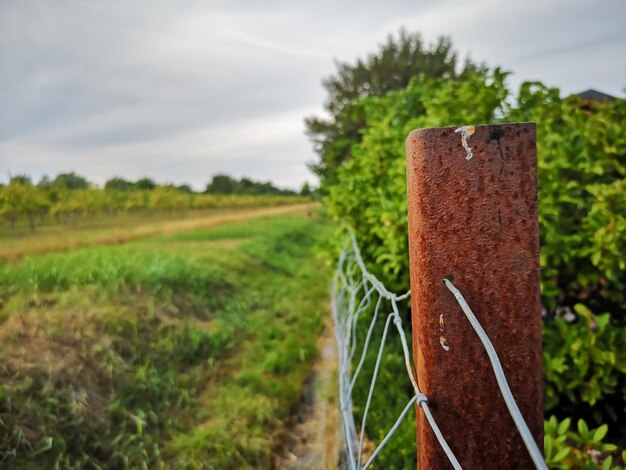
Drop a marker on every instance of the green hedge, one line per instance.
(582, 196)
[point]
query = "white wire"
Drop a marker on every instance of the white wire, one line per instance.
(346, 313)
(527, 437)
(391, 432)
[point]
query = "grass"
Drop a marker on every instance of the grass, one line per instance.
(125, 228)
(183, 350)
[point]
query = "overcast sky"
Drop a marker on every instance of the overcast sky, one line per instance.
(181, 90)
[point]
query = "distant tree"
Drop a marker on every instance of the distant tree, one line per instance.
(392, 67)
(44, 182)
(305, 190)
(21, 179)
(21, 198)
(10, 204)
(222, 184)
(247, 186)
(71, 181)
(184, 188)
(144, 183)
(118, 184)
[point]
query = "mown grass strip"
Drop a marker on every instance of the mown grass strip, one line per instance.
(64, 238)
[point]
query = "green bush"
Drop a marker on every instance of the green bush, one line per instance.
(583, 448)
(582, 205)
(370, 194)
(585, 363)
(582, 214)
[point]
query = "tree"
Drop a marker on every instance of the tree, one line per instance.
(247, 186)
(306, 190)
(71, 181)
(117, 183)
(185, 188)
(21, 179)
(20, 199)
(144, 183)
(391, 68)
(222, 184)
(45, 182)
(11, 203)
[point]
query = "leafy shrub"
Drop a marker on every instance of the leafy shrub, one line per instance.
(370, 195)
(582, 205)
(583, 448)
(585, 362)
(582, 214)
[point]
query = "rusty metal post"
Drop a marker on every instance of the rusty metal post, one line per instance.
(472, 199)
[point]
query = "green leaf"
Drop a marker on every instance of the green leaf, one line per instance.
(599, 433)
(602, 321)
(608, 447)
(564, 426)
(561, 454)
(547, 447)
(583, 311)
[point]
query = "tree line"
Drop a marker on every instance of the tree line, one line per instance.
(69, 197)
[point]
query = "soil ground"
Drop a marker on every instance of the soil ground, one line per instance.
(315, 438)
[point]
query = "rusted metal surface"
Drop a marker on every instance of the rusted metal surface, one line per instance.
(473, 215)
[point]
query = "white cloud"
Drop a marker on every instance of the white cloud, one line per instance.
(181, 90)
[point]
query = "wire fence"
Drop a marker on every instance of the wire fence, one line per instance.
(356, 291)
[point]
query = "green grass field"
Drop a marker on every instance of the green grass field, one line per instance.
(187, 350)
(23, 241)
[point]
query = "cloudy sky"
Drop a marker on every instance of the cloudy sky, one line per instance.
(179, 91)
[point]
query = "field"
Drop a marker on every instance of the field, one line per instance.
(188, 347)
(124, 227)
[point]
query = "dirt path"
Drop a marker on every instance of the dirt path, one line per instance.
(39, 243)
(315, 438)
